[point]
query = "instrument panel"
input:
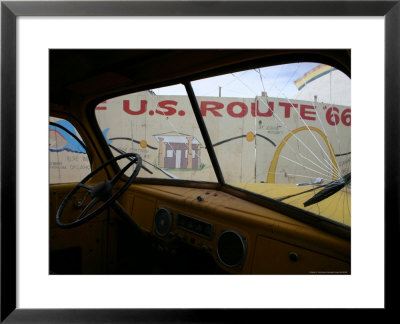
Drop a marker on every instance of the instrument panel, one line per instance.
(240, 236)
(231, 246)
(196, 226)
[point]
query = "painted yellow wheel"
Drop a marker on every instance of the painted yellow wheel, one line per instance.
(275, 159)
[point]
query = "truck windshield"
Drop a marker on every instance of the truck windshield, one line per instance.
(281, 132)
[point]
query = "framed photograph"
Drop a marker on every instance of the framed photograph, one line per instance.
(332, 244)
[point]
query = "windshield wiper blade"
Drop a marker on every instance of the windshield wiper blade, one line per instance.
(123, 152)
(301, 193)
(330, 189)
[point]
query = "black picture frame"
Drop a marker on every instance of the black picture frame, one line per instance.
(10, 10)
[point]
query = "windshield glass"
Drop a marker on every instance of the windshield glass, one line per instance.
(161, 127)
(284, 132)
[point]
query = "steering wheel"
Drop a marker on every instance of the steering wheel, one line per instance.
(102, 192)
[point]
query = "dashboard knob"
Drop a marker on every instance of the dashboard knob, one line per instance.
(293, 256)
(181, 237)
(205, 248)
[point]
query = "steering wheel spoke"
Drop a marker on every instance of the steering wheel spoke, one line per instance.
(94, 201)
(82, 185)
(102, 192)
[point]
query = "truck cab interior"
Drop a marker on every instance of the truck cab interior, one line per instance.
(200, 162)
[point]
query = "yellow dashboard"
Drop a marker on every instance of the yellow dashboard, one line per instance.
(241, 236)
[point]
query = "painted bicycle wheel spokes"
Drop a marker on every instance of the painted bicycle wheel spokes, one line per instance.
(284, 132)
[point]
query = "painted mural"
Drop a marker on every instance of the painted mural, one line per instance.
(258, 139)
(254, 139)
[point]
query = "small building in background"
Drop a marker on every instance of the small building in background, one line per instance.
(178, 151)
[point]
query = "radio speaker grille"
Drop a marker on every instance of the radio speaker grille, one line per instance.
(231, 249)
(163, 221)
